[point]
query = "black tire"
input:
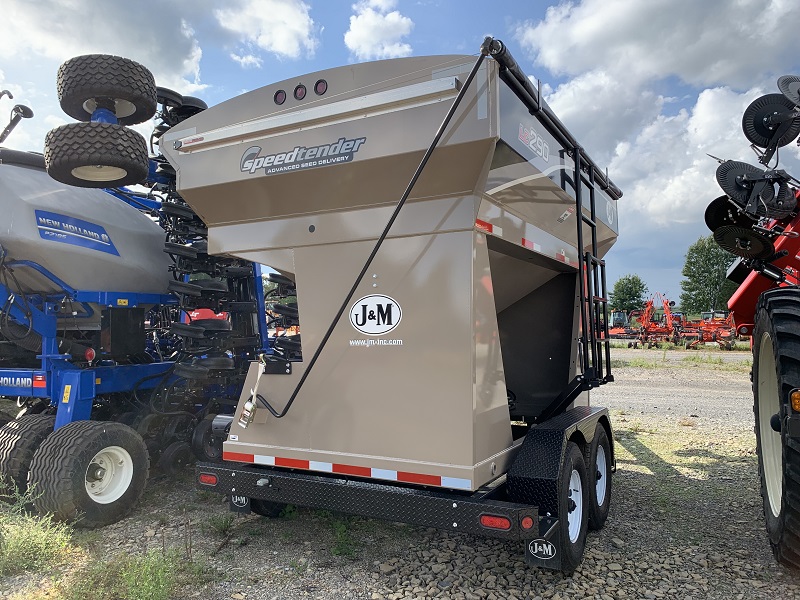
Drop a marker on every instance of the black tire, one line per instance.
(776, 371)
(205, 446)
(176, 459)
(598, 470)
(71, 459)
(574, 545)
(130, 87)
(95, 155)
(23, 159)
(265, 508)
(19, 440)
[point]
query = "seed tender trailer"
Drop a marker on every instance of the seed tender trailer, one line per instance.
(429, 211)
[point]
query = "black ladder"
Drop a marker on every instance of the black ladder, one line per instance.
(595, 347)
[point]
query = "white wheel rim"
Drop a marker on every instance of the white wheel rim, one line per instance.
(575, 516)
(601, 473)
(768, 401)
(109, 475)
(99, 173)
(122, 108)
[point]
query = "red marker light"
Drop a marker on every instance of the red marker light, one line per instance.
(280, 97)
(208, 479)
(526, 523)
(89, 354)
(300, 92)
(495, 522)
(320, 87)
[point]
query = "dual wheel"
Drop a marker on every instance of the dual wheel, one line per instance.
(90, 473)
(584, 495)
(95, 152)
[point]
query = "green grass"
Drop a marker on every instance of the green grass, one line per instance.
(344, 544)
(149, 576)
(30, 543)
(221, 524)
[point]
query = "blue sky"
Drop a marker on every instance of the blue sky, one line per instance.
(649, 87)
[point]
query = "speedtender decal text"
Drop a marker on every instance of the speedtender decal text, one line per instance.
(301, 157)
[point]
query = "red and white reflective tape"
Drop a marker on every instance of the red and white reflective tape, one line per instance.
(343, 469)
(531, 245)
(488, 227)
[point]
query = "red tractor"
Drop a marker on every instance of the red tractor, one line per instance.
(757, 220)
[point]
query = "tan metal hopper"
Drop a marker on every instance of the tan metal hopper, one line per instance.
(470, 314)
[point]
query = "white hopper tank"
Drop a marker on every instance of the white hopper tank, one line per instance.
(87, 238)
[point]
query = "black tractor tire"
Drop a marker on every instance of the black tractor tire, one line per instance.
(572, 504)
(776, 371)
(265, 508)
(95, 155)
(19, 440)
(83, 454)
(128, 87)
(598, 469)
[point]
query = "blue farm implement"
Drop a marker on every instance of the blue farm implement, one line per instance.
(121, 339)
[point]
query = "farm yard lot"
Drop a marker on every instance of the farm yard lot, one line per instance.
(686, 520)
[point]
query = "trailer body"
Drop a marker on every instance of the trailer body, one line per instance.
(442, 343)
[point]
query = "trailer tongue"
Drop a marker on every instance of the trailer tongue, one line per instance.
(430, 211)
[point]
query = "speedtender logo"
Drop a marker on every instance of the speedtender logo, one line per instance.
(342, 150)
(534, 141)
(375, 314)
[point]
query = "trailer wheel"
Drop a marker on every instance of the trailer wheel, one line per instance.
(95, 155)
(598, 467)
(265, 508)
(573, 507)
(19, 440)
(776, 371)
(91, 473)
(129, 88)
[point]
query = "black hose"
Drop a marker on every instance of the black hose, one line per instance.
(462, 92)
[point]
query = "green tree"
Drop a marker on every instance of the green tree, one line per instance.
(705, 286)
(628, 293)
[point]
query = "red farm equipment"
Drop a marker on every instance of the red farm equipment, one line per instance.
(756, 219)
(656, 328)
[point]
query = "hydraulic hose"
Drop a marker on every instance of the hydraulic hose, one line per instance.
(440, 132)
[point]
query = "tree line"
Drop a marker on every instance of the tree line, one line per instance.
(705, 286)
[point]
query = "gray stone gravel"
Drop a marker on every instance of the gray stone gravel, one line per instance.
(703, 538)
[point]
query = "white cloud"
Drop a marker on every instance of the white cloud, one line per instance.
(703, 43)
(376, 31)
(623, 59)
(600, 113)
(247, 61)
(283, 27)
(60, 29)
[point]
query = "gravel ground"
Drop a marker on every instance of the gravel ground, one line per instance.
(685, 521)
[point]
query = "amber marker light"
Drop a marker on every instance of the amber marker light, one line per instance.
(795, 399)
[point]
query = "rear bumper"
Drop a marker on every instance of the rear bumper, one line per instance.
(447, 510)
